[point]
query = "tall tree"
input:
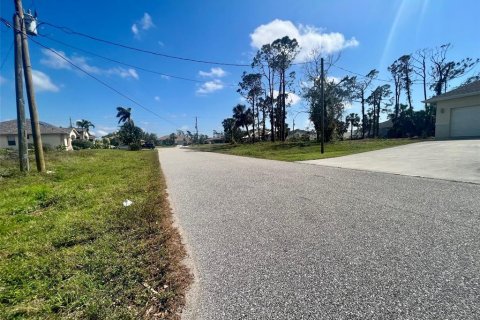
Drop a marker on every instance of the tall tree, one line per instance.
(336, 95)
(442, 70)
(243, 117)
(285, 50)
(375, 99)
(407, 69)
(263, 106)
(251, 89)
(264, 61)
(360, 89)
(353, 120)
(85, 124)
(124, 115)
(420, 59)
(395, 70)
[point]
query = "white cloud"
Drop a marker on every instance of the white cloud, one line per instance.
(101, 132)
(292, 98)
(210, 86)
(184, 127)
(156, 98)
(42, 82)
(165, 77)
(309, 38)
(214, 72)
(145, 23)
(124, 73)
(135, 29)
(55, 61)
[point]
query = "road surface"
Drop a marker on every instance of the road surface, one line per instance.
(278, 240)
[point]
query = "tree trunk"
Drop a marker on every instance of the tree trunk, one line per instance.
(253, 110)
(284, 113)
(263, 121)
(272, 117)
(424, 77)
(258, 119)
(363, 114)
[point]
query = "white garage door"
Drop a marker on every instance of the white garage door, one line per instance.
(465, 122)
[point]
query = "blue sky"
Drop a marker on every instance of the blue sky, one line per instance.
(369, 34)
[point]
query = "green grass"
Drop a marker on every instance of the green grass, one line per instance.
(298, 151)
(69, 249)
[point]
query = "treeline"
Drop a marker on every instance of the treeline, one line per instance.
(265, 90)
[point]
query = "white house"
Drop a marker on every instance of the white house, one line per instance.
(51, 135)
(458, 112)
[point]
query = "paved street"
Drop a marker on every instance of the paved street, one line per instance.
(456, 160)
(277, 240)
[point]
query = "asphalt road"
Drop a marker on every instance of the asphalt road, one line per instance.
(277, 240)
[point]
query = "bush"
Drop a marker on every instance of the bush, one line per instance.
(81, 144)
(135, 146)
(61, 147)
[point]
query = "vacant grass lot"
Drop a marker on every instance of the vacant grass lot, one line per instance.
(69, 249)
(298, 151)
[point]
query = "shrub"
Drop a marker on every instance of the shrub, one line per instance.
(81, 144)
(135, 146)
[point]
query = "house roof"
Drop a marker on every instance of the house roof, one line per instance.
(10, 127)
(463, 91)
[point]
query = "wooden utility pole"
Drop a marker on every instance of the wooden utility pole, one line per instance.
(32, 104)
(22, 132)
(196, 129)
(322, 101)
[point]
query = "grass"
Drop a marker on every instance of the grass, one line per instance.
(69, 249)
(299, 151)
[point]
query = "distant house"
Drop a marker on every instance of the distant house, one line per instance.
(302, 134)
(458, 112)
(51, 135)
(84, 135)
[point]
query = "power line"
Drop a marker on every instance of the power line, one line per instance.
(91, 75)
(103, 83)
(156, 53)
(71, 31)
(124, 63)
(6, 57)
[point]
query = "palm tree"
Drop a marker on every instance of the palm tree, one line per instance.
(85, 124)
(354, 120)
(124, 115)
(243, 117)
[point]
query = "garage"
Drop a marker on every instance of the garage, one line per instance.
(458, 112)
(465, 122)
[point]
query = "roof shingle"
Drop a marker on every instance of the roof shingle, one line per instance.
(10, 127)
(466, 90)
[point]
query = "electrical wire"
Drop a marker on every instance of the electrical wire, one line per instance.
(124, 63)
(104, 83)
(156, 53)
(71, 31)
(8, 54)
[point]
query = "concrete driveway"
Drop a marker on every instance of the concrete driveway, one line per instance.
(455, 160)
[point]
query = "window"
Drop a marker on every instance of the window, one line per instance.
(11, 140)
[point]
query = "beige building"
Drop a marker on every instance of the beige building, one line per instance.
(51, 135)
(458, 112)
